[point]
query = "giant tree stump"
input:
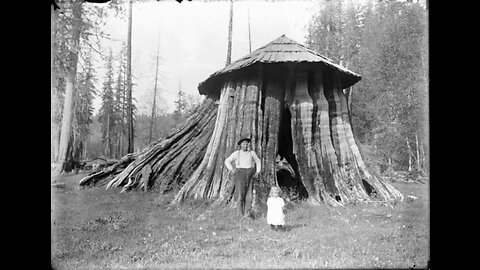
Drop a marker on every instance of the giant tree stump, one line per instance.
(289, 100)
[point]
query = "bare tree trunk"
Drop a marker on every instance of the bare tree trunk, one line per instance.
(124, 132)
(53, 51)
(152, 120)
(84, 149)
(409, 154)
(130, 129)
(425, 123)
(117, 144)
(54, 127)
(65, 135)
(108, 143)
(66, 126)
(422, 155)
(417, 152)
(249, 34)
(230, 27)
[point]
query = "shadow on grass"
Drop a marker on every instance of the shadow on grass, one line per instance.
(290, 227)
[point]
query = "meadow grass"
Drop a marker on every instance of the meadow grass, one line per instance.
(96, 228)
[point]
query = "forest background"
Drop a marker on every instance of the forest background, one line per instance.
(384, 41)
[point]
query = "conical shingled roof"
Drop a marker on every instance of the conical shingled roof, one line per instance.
(283, 50)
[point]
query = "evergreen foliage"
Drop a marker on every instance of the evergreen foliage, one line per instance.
(76, 35)
(108, 111)
(83, 109)
(386, 43)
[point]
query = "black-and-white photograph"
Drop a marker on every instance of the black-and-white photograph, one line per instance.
(240, 134)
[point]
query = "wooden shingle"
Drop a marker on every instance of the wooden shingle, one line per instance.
(282, 50)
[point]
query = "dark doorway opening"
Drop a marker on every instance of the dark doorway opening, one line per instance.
(288, 177)
(369, 189)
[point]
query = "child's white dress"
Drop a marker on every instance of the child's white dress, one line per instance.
(275, 215)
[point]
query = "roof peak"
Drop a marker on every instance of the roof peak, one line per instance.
(283, 38)
(281, 50)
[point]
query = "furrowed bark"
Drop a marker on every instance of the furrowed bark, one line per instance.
(258, 205)
(349, 169)
(236, 119)
(301, 110)
(274, 85)
(249, 129)
(303, 121)
(237, 127)
(242, 122)
(100, 178)
(130, 173)
(338, 140)
(409, 154)
(200, 190)
(179, 159)
(247, 95)
(356, 169)
(417, 151)
(54, 113)
(227, 188)
(183, 164)
(170, 159)
(216, 181)
(210, 154)
(325, 153)
(67, 115)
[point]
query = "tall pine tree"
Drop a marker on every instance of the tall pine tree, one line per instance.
(83, 108)
(121, 106)
(76, 28)
(107, 115)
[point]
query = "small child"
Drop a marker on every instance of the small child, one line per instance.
(275, 204)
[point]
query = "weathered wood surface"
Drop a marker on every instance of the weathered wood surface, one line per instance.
(325, 152)
(329, 162)
(237, 117)
(303, 121)
(273, 102)
(101, 177)
(196, 184)
(170, 159)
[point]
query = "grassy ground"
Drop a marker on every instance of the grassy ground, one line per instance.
(99, 229)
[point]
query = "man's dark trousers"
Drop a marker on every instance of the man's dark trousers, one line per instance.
(243, 180)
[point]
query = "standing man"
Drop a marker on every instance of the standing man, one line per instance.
(247, 167)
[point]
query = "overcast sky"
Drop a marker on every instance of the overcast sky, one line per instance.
(193, 41)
